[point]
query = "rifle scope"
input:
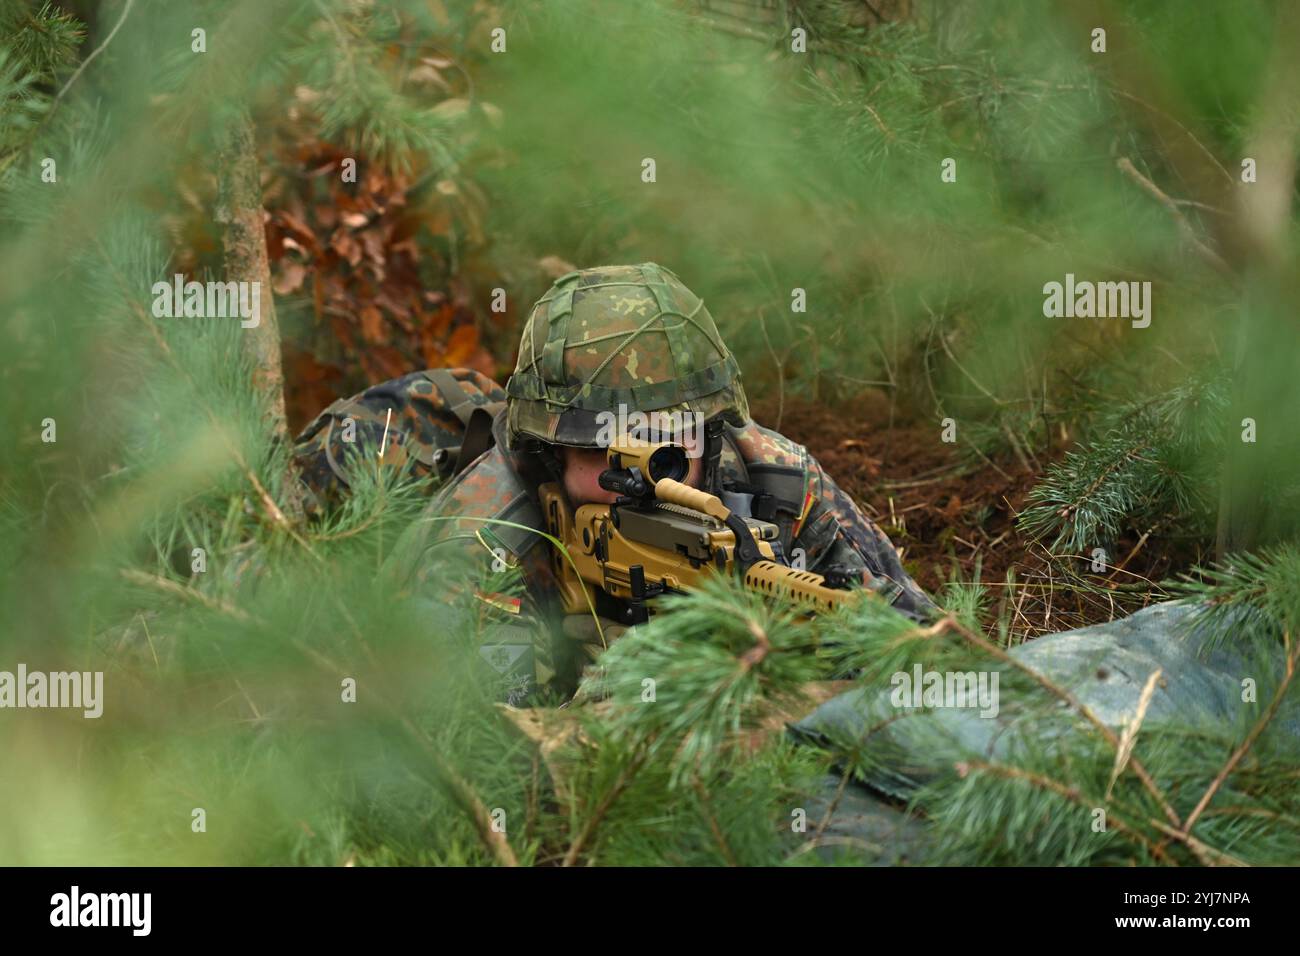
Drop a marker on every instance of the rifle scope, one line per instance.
(654, 460)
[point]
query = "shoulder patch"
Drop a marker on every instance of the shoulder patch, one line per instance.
(775, 463)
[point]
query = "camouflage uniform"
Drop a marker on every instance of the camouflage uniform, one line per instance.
(600, 338)
(419, 421)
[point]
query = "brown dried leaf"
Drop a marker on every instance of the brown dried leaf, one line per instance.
(290, 278)
(373, 242)
(372, 324)
(452, 109)
(327, 215)
(553, 266)
(426, 74)
(292, 223)
(347, 247)
(383, 362)
(462, 344)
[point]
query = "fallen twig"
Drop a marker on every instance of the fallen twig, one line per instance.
(1184, 226)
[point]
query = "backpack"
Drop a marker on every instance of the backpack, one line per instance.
(434, 422)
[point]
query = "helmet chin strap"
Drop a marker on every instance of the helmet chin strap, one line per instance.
(713, 430)
(537, 452)
(549, 456)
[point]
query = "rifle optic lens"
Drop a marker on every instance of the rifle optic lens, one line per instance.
(669, 462)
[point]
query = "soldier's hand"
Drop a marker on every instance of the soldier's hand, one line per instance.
(582, 627)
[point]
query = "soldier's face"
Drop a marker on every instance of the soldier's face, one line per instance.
(582, 468)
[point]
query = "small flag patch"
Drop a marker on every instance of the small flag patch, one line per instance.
(807, 507)
(502, 602)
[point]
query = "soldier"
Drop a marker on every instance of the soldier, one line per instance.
(604, 342)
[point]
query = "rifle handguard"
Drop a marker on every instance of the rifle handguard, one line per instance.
(778, 581)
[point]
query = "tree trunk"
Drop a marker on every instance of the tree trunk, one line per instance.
(1258, 504)
(239, 210)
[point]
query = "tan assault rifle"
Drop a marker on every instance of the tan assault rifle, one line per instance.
(662, 535)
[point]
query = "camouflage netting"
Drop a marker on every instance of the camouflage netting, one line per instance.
(619, 336)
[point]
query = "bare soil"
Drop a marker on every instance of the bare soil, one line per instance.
(952, 516)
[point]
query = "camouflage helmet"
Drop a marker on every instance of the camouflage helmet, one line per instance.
(611, 336)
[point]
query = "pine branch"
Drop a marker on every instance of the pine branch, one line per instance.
(1071, 794)
(951, 624)
(126, 11)
(596, 816)
(44, 43)
(1153, 464)
(719, 837)
(1292, 654)
(268, 503)
(464, 795)
(189, 594)
(1125, 166)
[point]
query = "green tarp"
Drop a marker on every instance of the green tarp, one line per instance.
(1105, 667)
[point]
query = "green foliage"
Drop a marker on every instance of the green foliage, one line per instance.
(1153, 467)
(224, 685)
(966, 600)
(44, 40)
(1039, 805)
(370, 103)
(40, 49)
(1248, 597)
